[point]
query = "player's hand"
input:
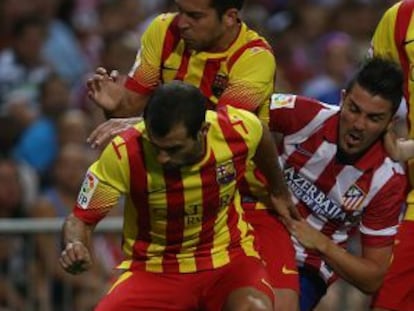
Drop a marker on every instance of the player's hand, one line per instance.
(75, 258)
(390, 142)
(106, 131)
(286, 209)
(105, 89)
(308, 236)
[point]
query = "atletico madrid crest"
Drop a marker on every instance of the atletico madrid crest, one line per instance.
(353, 198)
(225, 173)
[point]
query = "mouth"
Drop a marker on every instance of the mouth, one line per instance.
(353, 139)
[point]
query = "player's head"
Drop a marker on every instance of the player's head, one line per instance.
(206, 25)
(175, 122)
(368, 105)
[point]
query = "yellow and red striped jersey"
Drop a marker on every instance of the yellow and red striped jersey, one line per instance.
(394, 39)
(241, 76)
(180, 220)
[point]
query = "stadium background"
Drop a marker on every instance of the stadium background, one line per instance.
(45, 118)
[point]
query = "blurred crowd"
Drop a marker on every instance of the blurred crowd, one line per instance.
(49, 48)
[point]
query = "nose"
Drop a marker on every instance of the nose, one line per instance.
(163, 157)
(360, 122)
(183, 22)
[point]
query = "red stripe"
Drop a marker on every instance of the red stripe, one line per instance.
(182, 70)
(304, 211)
(175, 218)
(235, 235)
(172, 37)
(255, 43)
(138, 193)
(239, 150)
(400, 32)
(171, 40)
(211, 205)
(211, 67)
(327, 179)
(298, 159)
(136, 87)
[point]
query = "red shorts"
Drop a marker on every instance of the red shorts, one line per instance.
(275, 247)
(397, 291)
(205, 290)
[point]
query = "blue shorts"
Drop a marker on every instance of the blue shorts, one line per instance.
(312, 289)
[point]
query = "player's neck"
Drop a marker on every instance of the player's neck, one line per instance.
(347, 159)
(226, 40)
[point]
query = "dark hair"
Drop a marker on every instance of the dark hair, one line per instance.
(175, 103)
(380, 77)
(221, 6)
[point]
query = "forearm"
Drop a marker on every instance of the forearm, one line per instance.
(131, 104)
(266, 159)
(75, 230)
(364, 273)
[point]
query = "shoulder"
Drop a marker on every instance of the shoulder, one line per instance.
(234, 122)
(299, 105)
(250, 45)
(164, 19)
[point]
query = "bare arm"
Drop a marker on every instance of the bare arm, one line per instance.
(76, 256)
(365, 272)
(266, 159)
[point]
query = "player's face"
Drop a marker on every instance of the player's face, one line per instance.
(364, 118)
(177, 148)
(200, 26)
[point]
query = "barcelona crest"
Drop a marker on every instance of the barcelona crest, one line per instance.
(219, 84)
(225, 172)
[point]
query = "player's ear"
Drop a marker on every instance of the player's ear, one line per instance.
(204, 128)
(231, 17)
(343, 95)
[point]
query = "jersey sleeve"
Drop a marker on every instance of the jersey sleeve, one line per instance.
(145, 73)
(290, 113)
(250, 83)
(383, 41)
(380, 220)
(106, 180)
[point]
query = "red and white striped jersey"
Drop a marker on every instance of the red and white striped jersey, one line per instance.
(334, 197)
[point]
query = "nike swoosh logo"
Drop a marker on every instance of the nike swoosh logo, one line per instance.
(302, 150)
(156, 190)
(169, 68)
(285, 270)
(408, 41)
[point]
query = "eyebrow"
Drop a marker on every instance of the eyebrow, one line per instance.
(178, 146)
(372, 114)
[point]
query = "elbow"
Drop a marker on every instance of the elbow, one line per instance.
(369, 289)
(372, 286)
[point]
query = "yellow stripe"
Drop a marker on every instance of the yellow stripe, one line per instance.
(130, 229)
(158, 214)
(192, 222)
(244, 227)
(195, 70)
(124, 276)
(409, 214)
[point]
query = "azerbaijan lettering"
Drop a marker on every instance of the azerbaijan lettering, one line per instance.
(313, 197)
